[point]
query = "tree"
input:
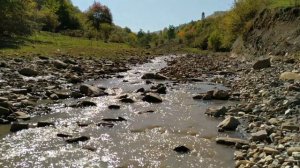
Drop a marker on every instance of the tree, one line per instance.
(16, 17)
(171, 32)
(98, 14)
(67, 16)
(106, 30)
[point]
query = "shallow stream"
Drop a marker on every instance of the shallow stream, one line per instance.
(145, 140)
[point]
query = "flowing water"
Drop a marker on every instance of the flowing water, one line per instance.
(145, 140)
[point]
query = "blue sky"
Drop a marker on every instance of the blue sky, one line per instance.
(154, 15)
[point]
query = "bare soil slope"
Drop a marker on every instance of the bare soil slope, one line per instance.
(274, 31)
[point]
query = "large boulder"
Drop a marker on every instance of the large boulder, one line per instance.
(90, 90)
(156, 76)
(230, 123)
(152, 98)
(59, 64)
(289, 76)
(28, 72)
(261, 64)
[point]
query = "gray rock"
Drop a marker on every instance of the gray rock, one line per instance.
(28, 72)
(4, 111)
(21, 115)
(270, 151)
(182, 149)
(152, 98)
(221, 95)
(82, 104)
(205, 96)
(59, 64)
(154, 76)
(19, 91)
(216, 112)
(293, 149)
(127, 100)
(15, 127)
(78, 139)
(289, 76)
(259, 136)
(3, 99)
(290, 126)
(45, 124)
(261, 64)
(231, 141)
(63, 94)
(230, 123)
(90, 90)
(114, 106)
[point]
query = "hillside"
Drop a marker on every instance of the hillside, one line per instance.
(275, 31)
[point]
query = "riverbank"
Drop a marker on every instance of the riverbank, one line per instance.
(269, 94)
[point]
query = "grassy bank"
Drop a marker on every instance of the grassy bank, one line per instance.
(51, 44)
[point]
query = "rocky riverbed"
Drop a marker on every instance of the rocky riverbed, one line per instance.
(27, 85)
(268, 112)
(135, 118)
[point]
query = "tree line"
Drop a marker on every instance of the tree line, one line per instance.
(24, 17)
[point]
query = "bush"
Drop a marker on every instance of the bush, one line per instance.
(214, 41)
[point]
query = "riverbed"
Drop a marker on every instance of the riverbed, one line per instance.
(146, 139)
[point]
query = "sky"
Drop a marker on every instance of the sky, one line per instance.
(154, 15)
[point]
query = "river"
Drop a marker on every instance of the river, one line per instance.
(144, 140)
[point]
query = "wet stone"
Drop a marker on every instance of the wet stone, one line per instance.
(145, 112)
(230, 123)
(141, 90)
(108, 125)
(221, 95)
(15, 127)
(21, 115)
(216, 112)
(45, 124)
(154, 76)
(83, 104)
(90, 90)
(114, 107)
(90, 148)
(78, 139)
(182, 149)
(127, 100)
(63, 135)
(231, 141)
(119, 119)
(152, 98)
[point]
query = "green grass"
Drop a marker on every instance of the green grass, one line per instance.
(51, 44)
(284, 3)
